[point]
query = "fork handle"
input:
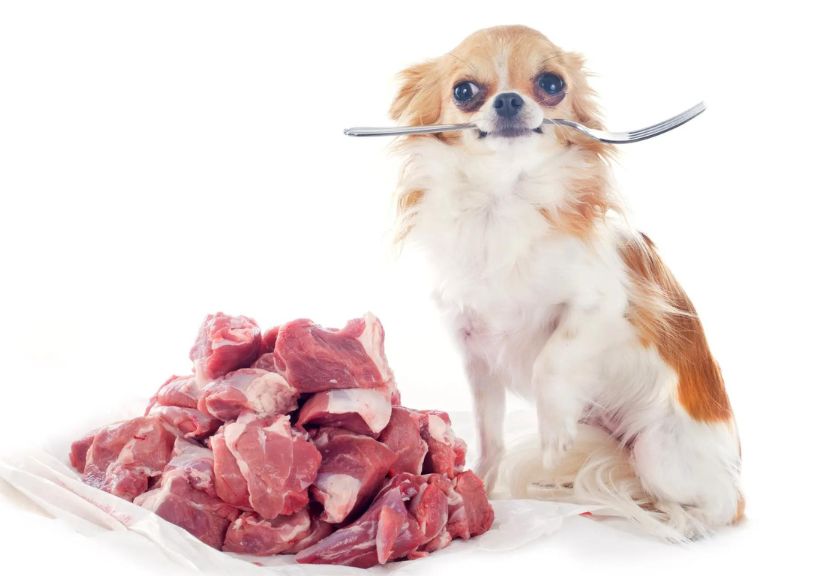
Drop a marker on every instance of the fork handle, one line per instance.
(403, 130)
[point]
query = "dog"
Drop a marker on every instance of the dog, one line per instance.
(552, 295)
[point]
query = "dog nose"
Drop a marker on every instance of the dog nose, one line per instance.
(508, 104)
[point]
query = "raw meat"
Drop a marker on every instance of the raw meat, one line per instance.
(360, 410)
(230, 483)
(353, 467)
(430, 506)
(264, 465)
(224, 344)
(318, 530)
(251, 534)
(248, 390)
(318, 359)
(410, 517)
(186, 495)
(469, 512)
(403, 436)
(267, 361)
(268, 339)
(78, 451)
(387, 531)
(122, 457)
(180, 391)
(189, 422)
(292, 442)
(446, 452)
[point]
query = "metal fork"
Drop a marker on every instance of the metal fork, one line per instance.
(602, 135)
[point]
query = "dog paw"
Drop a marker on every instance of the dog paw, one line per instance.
(488, 470)
(553, 446)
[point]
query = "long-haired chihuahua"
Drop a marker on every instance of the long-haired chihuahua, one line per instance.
(552, 295)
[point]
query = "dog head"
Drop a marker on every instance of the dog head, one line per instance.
(505, 81)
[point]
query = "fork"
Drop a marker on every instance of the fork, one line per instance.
(602, 135)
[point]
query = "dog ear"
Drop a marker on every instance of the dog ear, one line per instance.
(419, 100)
(584, 108)
(583, 104)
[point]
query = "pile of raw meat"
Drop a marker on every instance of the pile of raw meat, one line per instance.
(292, 442)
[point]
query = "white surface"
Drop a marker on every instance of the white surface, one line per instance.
(162, 160)
(43, 479)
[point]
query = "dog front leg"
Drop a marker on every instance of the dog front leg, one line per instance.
(562, 380)
(488, 390)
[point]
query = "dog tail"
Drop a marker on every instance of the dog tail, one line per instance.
(597, 471)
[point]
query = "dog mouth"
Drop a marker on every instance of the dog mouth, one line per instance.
(510, 132)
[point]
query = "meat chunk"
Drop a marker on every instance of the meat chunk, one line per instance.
(189, 422)
(248, 390)
(224, 344)
(469, 512)
(430, 506)
(122, 457)
(361, 410)
(318, 530)
(264, 465)
(230, 483)
(251, 534)
(410, 517)
(353, 467)
(268, 339)
(318, 359)
(180, 391)
(403, 435)
(78, 451)
(186, 495)
(267, 361)
(385, 532)
(446, 452)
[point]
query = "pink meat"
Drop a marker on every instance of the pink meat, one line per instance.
(251, 534)
(318, 359)
(361, 410)
(352, 469)
(268, 339)
(230, 483)
(430, 506)
(318, 530)
(78, 451)
(267, 361)
(248, 390)
(189, 422)
(225, 343)
(469, 512)
(123, 457)
(403, 436)
(385, 532)
(277, 464)
(186, 495)
(180, 391)
(446, 452)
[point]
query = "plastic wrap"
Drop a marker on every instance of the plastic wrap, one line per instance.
(45, 478)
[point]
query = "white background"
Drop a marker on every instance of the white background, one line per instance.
(163, 160)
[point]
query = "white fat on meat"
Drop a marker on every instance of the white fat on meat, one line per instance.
(339, 493)
(372, 405)
(440, 430)
(372, 340)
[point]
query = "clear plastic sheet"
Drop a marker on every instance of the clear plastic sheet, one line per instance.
(45, 478)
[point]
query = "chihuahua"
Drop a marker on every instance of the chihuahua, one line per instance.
(553, 296)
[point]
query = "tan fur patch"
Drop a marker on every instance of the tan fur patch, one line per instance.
(666, 319)
(405, 207)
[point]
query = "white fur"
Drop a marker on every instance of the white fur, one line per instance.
(543, 313)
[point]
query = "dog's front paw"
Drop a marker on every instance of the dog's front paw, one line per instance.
(488, 470)
(554, 443)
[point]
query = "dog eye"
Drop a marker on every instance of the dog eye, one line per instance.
(464, 91)
(551, 83)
